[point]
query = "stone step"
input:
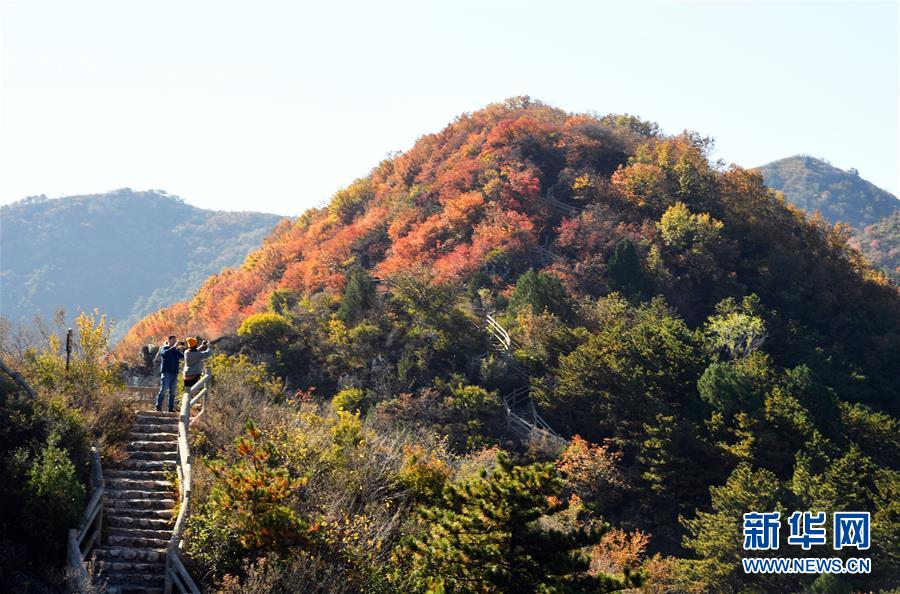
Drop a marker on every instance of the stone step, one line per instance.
(115, 587)
(125, 567)
(156, 503)
(164, 534)
(136, 542)
(114, 574)
(116, 584)
(140, 426)
(157, 415)
(153, 426)
(152, 446)
(158, 456)
(121, 585)
(133, 579)
(132, 494)
(140, 483)
(162, 436)
(140, 475)
(136, 514)
(139, 508)
(163, 522)
(141, 465)
(113, 554)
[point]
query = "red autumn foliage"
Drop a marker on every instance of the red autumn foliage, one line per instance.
(467, 196)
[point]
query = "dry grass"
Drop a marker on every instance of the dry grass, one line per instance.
(352, 491)
(108, 417)
(302, 575)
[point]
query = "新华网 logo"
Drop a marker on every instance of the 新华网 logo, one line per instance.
(849, 530)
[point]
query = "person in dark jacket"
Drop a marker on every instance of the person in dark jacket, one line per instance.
(170, 354)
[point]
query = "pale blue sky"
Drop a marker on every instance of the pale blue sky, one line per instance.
(274, 106)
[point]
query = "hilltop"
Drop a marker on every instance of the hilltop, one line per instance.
(126, 253)
(470, 205)
(520, 185)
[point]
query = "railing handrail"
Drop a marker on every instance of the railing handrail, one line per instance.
(176, 573)
(498, 331)
(91, 524)
(16, 377)
(199, 392)
(506, 345)
(522, 393)
(544, 252)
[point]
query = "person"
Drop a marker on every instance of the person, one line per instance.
(170, 354)
(193, 361)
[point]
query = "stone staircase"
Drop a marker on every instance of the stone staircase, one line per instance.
(139, 508)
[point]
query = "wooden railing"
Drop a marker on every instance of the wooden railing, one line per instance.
(83, 539)
(555, 202)
(545, 254)
(521, 413)
(176, 574)
(498, 332)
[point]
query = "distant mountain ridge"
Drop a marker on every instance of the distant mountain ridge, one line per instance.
(842, 196)
(815, 185)
(126, 252)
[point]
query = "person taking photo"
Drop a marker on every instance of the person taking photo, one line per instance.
(170, 354)
(193, 361)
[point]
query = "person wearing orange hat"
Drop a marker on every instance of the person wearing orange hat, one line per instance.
(194, 356)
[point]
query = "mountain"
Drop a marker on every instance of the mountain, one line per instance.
(841, 196)
(529, 324)
(126, 253)
(603, 203)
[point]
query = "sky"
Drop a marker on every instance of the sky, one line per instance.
(275, 106)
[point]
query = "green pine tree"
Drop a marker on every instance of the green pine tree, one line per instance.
(677, 465)
(486, 536)
(624, 270)
(541, 292)
(716, 536)
(359, 295)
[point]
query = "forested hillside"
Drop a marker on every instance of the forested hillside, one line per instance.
(706, 349)
(125, 253)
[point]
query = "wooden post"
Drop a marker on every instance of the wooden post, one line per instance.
(71, 567)
(167, 585)
(68, 348)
